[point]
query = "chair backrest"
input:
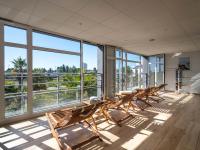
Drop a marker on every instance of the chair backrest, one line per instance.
(122, 100)
(143, 93)
(162, 86)
(66, 117)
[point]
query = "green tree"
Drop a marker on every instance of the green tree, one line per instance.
(20, 66)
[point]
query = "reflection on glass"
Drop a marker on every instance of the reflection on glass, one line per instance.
(133, 57)
(124, 55)
(15, 81)
(118, 80)
(156, 70)
(55, 82)
(15, 35)
(133, 75)
(118, 53)
(124, 75)
(49, 41)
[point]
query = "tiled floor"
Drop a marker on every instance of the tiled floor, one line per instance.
(174, 123)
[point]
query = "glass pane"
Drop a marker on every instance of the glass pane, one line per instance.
(118, 53)
(90, 86)
(156, 70)
(49, 41)
(124, 55)
(152, 70)
(118, 84)
(93, 70)
(133, 75)
(160, 59)
(15, 35)
(124, 75)
(15, 81)
(55, 82)
(160, 74)
(133, 57)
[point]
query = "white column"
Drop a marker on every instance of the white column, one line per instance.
(81, 67)
(2, 102)
(30, 81)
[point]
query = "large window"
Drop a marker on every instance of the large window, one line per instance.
(55, 42)
(118, 71)
(56, 81)
(128, 70)
(15, 72)
(92, 71)
(15, 35)
(133, 75)
(48, 72)
(118, 77)
(156, 70)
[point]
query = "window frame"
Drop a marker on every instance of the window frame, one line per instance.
(125, 60)
(156, 63)
(29, 47)
(103, 67)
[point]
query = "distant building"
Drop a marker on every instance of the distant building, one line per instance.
(85, 66)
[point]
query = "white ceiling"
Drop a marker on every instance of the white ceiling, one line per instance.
(130, 24)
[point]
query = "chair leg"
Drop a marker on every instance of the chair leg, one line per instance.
(94, 130)
(144, 101)
(54, 133)
(93, 121)
(105, 115)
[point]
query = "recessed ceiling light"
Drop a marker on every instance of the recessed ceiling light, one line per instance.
(151, 40)
(177, 54)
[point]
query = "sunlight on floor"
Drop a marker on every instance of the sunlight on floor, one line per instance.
(22, 124)
(162, 116)
(186, 99)
(40, 134)
(15, 143)
(34, 147)
(8, 138)
(110, 136)
(35, 134)
(137, 140)
(53, 144)
(33, 130)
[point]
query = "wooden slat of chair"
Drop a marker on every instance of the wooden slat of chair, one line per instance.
(66, 118)
(116, 105)
(142, 96)
(154, 92)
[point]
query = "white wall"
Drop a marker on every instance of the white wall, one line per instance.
(193, 75)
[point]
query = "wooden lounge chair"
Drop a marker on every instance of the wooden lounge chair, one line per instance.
(116, 111)
(70, 127)
(143, 97)
(154, 90)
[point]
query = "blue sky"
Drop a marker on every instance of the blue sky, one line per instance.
(48, 59)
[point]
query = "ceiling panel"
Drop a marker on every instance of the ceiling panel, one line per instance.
(43, 23)
(98, 30)
(50, 11)
(98, 10)
(79, 22)
(21, 5)
(73, 5)
(173, 24)
(119, 21)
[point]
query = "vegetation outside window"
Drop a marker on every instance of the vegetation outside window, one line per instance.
(15, 81)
